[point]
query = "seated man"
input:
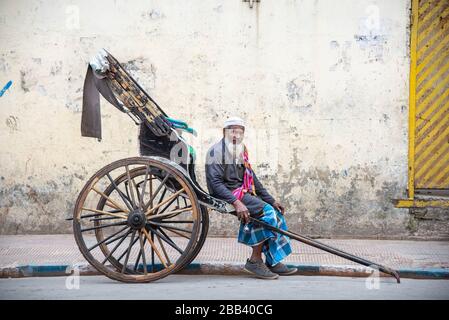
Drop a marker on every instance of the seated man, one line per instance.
(230, 177)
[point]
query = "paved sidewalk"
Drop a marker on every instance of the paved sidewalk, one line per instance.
(29, 255)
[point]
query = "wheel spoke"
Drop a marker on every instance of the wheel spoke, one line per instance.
(105, 213)
(175, 232)
(116, 238)
(124, 252)
(154, 247)
(106, 239)
(170, 214)
(165, 201)
(171, 227)
(152, 253)
(109, 204)
(142, 241)
(116, 246)
(168, 205)
(125, 199)
(112, 211)
(163, 249)
(137, 194)
(104, 226)
(144, 185)
(161, 199)
(152, 196)
(151, 193)
(142, 250)
(117, 206)
(107, 218)
(91, 215)
(176, 221)
(130, 181)
(128, 251)
(167, 239)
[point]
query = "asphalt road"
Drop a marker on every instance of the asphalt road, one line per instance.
(223, 287)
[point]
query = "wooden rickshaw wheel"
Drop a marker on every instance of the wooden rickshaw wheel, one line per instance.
(204, 216)
(115, 206)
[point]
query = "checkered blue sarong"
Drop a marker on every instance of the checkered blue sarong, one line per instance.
(277, 246)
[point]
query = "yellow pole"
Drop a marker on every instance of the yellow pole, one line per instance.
(412, 102)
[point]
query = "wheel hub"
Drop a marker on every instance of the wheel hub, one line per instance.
(137, 219)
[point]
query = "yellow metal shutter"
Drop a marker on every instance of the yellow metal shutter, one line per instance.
(430, 81)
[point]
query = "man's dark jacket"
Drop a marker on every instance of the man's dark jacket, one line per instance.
(223, 175)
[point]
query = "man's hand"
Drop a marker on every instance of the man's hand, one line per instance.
(242, 211)
(279, 206)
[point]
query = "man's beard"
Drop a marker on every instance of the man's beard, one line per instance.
(235, 151)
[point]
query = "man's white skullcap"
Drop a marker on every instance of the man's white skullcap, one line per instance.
(234, 121)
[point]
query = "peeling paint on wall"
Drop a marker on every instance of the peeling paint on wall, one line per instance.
(12, 123)
(153, 14)
(342, 55)
(143, 71)
(301, 92)
(373, 45)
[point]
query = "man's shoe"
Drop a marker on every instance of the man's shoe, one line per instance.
(260, 270)
(282, 269)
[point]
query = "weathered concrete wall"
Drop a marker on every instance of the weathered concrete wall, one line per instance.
(322, 84)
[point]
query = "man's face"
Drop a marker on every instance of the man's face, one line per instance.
(234, 134)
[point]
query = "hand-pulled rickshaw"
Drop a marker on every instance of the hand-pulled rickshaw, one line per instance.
(143, 218)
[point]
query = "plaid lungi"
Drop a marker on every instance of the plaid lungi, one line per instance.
(278, 246)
